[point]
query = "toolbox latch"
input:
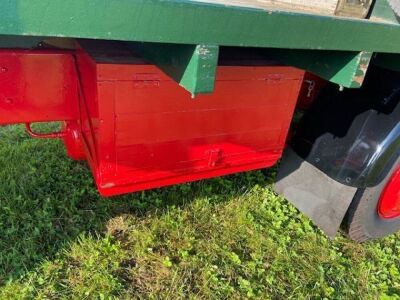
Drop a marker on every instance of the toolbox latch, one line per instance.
(214, 156)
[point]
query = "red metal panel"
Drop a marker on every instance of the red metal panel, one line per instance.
(389, 204)
(144, 131)
(138, 129)
(37, 86)
(73, 140)
(89, 108)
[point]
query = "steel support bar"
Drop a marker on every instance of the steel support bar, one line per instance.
(388, 61)
(192, 66)
(17, 42)
(190, 22)
(382, 11)
(347, 69)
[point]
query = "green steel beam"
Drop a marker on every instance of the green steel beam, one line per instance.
(383, 12)
(387, 61)
(18, 42)
(347, 69)
(192, 66)
(190, 22)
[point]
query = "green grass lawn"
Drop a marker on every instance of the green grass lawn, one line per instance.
(224, 238)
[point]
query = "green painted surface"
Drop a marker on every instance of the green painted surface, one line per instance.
(192, 66)
(388, 61)
(187, 22)
(347, 69)
(382, 11)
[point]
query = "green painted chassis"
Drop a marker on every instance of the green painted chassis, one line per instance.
(183, 37)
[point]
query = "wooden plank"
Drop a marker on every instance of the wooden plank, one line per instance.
(323, 7)
(357, 9)
(346, 8)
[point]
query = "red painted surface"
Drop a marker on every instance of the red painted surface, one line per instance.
(137, 128)
(37, 86)
(73, 140)
(389, 204)
(312, 86)
(141, 130)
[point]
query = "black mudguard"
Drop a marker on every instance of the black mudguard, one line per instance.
(351, 138)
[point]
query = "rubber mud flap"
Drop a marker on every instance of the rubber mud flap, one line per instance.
(321, 198)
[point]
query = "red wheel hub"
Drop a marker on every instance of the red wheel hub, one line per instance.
(389, 203)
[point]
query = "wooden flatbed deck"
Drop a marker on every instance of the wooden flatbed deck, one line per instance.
(322, 7)
(201, 22)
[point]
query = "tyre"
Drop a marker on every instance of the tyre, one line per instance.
(368, 216)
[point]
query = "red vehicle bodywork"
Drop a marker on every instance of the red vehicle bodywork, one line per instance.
(37, 86)
(137, 128)
(389, 204)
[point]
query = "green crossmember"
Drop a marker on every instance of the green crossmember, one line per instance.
(347, 69)
(195, 23)
(192, 66)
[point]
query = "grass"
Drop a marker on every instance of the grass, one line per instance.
(224, 238)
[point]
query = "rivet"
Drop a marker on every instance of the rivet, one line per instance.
(8, 100)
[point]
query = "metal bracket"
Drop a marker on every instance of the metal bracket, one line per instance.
(347, 69)
(387, 61)
(382, 11)
(192, 66)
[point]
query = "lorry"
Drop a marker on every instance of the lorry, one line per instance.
(153, 93)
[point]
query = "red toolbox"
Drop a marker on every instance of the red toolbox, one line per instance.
(141, 130)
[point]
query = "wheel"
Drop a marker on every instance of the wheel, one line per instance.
(375, 212)
(395, 4)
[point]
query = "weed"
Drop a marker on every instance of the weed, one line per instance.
(229, 237)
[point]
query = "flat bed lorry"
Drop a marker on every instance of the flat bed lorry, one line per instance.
(159, 92)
